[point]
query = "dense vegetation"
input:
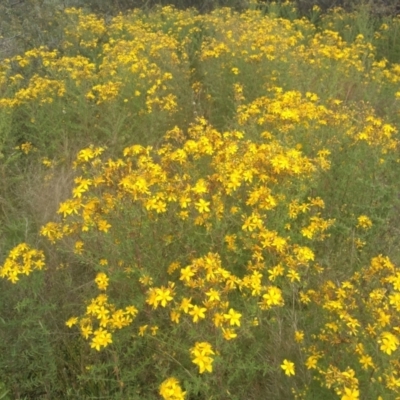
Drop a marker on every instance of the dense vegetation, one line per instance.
(200, 205)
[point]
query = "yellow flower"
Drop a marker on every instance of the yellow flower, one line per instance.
(288, 367)
(142, 330)
(299, 336)
(101, 338)
(79, 247)
(272, 298)
(170, 390)
(86, 331)
(71, 322)
(218, 319)
(364, 222)
(101, 281)
(202, 206)
(389, 342)
(293, 275)
(201, 356)
(163, 296)
(213, 295)
(186, 305)
(200, 187)
(229, 334)
(132, 310)
(233, 317)
(103, 225)
(154, 330)
(350, 394)
(275, 272)
(366, 361)
(27, 147)
(311, 362)
(197, 313)
(146, 280)
(186, 274)
(175, 315)
(203, 362)
(152, 298)
(102, 313)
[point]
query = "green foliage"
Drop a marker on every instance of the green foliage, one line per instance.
(4, 392)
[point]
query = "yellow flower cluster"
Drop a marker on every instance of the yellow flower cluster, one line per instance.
(364, 222)
(201, 353)
(240, 178)
(128, 66)
(171, 390)
(361, 320)
(104, 315)
(21, 260)
(101, 281)
(237, 171)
